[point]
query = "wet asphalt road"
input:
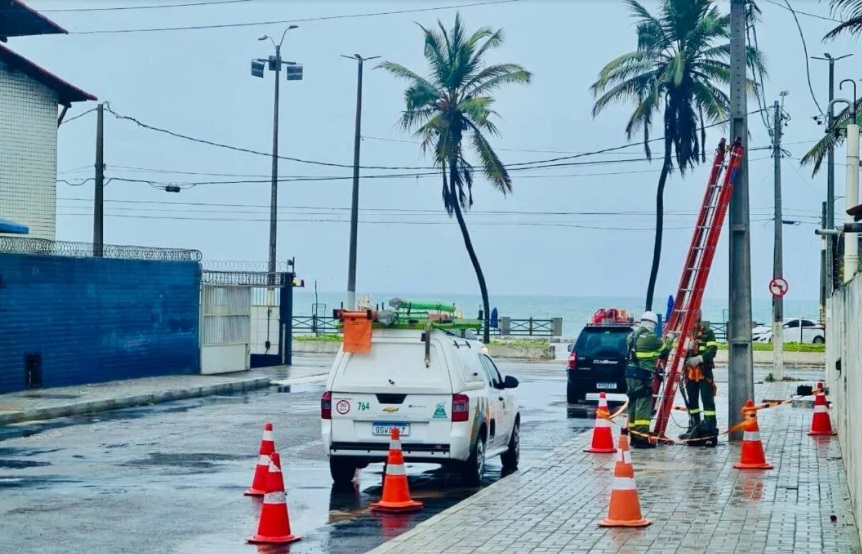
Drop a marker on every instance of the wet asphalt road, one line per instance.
(170, 477)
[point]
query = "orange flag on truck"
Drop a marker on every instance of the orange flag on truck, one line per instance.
(357, 333)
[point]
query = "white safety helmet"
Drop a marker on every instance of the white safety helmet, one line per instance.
(650, 316)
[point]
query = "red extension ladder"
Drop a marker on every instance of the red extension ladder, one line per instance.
(695, 274)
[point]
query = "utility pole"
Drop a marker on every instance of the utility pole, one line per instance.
(354, 204)
(827, 269)
(851, 194)
(823, 265)
(777, 259)
(275, 63)
(741, 374)
(99, 196)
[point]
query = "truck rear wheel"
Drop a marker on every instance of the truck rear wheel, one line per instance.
(342, 470)
(473, 468)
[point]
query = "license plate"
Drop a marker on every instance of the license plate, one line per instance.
(611, 386)
(385, 429)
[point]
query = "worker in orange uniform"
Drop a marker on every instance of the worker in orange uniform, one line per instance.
(700, 382)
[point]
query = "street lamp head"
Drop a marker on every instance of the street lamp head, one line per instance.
(292, 27)
(264, 37)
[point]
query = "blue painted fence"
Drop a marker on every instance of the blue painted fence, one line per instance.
(70, 320)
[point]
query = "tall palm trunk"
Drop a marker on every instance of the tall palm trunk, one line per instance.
(659, 219)
(468, 244)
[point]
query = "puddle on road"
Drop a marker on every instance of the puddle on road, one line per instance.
(204, 460)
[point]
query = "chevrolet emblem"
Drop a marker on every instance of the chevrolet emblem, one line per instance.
(390, 409)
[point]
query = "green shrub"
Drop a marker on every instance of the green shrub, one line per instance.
(788, 347)
(317, 338)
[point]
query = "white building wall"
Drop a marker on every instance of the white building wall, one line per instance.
(844, 378)
(28, 153)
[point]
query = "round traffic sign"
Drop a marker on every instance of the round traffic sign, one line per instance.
(778, 287)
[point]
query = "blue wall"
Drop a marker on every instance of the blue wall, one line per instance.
(97, 319)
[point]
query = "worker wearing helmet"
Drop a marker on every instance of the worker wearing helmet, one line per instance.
(645, 349)
(700, 384)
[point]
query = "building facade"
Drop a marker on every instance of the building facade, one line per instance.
(29, 100)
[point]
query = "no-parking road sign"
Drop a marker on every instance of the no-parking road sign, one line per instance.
(778, 287)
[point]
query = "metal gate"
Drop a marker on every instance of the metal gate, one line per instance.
(225, 321)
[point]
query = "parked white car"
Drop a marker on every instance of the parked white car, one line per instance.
(455, 408)
(795, 330)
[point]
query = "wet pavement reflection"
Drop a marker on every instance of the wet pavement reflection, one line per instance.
(179, 470)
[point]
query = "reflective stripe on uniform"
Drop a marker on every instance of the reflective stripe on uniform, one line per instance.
(623, 484)
(694, 411)
(277, 497)
(708, 413)
(639, 422)
(647, 355)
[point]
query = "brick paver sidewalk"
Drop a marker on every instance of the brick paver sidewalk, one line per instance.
(697, 501)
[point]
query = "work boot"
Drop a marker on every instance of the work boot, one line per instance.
(693, 421)
(695, 438)
(641, 443)
(710, 433)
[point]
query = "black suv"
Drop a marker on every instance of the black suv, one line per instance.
(597, 361)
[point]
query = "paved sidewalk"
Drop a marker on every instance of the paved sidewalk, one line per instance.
(697, 501)
(48, 403)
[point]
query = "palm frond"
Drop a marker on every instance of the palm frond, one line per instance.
(492, 77)
(491, 165)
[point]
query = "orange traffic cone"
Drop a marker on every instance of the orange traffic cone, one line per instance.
(751, 455)
(274, 524)
(603, 439)
(396, 493)
(820, 424)
(261, 471)
(625, 506)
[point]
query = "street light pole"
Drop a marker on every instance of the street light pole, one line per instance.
(830, 179)
(275, 64)
(354, 203)
(851, 194)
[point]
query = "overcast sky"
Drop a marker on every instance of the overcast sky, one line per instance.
(536, 241)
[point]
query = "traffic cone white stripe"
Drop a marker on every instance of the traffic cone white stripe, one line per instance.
(267, 436)
(393, 469)
(602, 422)
(277, 497)
(263, 460)
(820, 409)
(751, 436)
(623, 484)
(627, 457)
(395, 445)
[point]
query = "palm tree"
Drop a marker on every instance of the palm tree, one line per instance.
(452, 104)
(677, 73)
(834, 137)
(851, 12)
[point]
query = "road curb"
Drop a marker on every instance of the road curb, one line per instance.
(94, 406)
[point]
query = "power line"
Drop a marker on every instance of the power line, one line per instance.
(80, 115)
(805, 49)
(800, 12)
(149, 7)
(328, 178)
(402, 211)
(511, 167)
(285, 21)
(379, 222)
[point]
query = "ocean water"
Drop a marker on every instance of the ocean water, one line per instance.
(574, 310)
